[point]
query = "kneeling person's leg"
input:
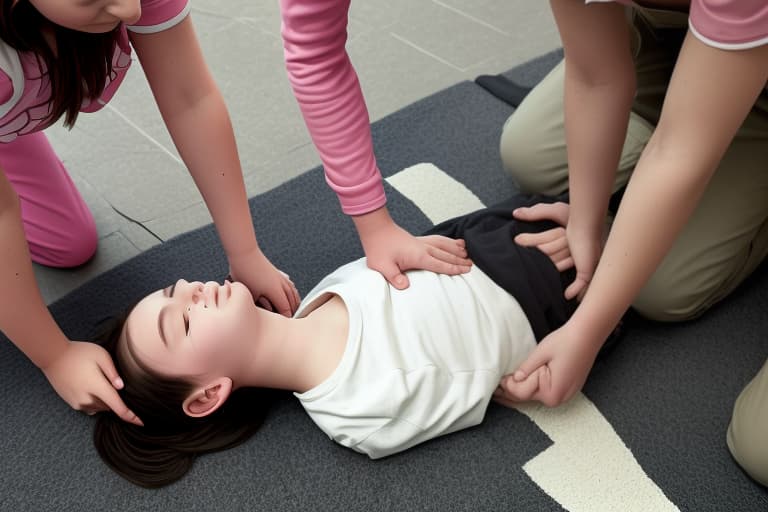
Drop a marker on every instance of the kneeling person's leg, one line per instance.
(747, 432)
(59, 227)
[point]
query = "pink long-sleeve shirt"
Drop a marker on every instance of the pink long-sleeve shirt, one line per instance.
(326, 86)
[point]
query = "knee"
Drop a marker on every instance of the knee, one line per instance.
(746, 436)
(523, 160)
(673, 296)
(664, 303)
(70, 248)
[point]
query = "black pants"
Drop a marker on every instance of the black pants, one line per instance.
(525, 272)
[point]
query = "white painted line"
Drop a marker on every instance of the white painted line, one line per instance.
(588, 467)
(437, 194)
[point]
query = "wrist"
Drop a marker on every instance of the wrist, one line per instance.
(244, 255)
(53, 353)
(368, 224)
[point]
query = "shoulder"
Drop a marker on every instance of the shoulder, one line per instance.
(730, 24)
(159, 15)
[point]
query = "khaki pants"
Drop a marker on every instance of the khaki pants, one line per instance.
(727, 235)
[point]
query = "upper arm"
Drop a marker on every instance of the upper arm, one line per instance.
(595, 40)
(174, 65)
(709, 96)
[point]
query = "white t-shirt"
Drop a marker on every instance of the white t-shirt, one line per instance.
(418, 363)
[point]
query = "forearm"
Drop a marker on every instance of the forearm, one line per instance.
(599, 87)
(596, 117)
(672, 173)
(368, 224)
(24, 317)
(328, 92)
(205, 140)
(642, 234)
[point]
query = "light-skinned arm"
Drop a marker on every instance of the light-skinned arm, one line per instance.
(709, 96)
(328, 92)
(81, 373)
(599, 87)
(197, 119)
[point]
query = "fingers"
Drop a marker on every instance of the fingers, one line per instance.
(455, 246)
(578, 286)
(110, 398)
(443, 262)
(394, 276)
(283, 304)
(520, 390)
(108, 395)
(539, 357)
(448, 250)
(565, 263)
(541, 238)
(109, 371)
(264, 303)
(557, 212)
(292, 296)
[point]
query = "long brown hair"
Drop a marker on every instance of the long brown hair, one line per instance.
(164, 449)
(77, 70)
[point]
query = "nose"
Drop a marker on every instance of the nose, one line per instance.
(127, 11)
(210, 292)
(185, 290)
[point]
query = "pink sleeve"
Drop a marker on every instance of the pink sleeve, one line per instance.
(159, 15)
(730, 24)
(329, 95)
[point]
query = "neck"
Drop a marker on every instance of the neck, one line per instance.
(294, 354)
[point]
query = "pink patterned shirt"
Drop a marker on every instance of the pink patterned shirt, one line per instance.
(725, 24)
(25, 90)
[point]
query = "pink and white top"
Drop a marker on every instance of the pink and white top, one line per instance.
(725, 24)
(25, 91)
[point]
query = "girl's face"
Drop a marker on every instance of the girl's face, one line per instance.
(94, 16)
(191, 329)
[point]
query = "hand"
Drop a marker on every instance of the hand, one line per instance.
(584, 248)
(270, 287)
(552, 242)
(391, 250)
(555, 370)
(85, 377)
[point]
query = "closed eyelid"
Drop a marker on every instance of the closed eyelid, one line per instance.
(160, 319)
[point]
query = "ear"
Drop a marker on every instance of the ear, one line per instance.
(203, 401)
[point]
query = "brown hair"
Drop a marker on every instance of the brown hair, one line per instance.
(77, 70)
(164, 449)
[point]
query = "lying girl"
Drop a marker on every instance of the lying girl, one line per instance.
(377, 369)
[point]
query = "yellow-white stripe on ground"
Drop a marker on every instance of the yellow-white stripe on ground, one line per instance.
(588, 467)
(438, 195)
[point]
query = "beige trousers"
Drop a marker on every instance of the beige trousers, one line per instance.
(725, 239)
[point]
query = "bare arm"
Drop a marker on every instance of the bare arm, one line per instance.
(710, 94)
(599, 87)
(24, 317)
(81, 373)
(198, 121)
(703, 109)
